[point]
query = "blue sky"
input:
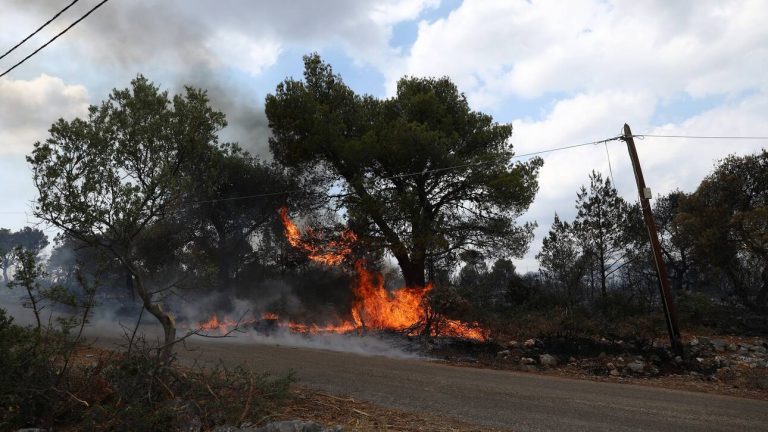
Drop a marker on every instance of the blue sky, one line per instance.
(560, 72)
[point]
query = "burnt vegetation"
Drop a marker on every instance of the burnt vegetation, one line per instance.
(152, 209)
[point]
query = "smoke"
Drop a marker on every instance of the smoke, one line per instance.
(247, 121)
(372, 345)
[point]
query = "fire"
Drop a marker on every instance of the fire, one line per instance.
(224, 325)
(269, 316)
(374, 307)
(330, 253)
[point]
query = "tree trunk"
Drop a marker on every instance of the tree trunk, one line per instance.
(603, 277)
(156, 309)
(762, 295)
(413, 272)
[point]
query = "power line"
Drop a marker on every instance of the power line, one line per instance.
(38, 29)
(54, 38)
(415, 173)
(517, 156)
(411, 174)
(701, 137)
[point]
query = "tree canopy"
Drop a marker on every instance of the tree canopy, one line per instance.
(726, 221)
(107, 180)
(422, 174)
(30, 239)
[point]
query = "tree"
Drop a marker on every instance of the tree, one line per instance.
(675, 246)
(27, 238)
(106, 180)
(423, 175)
(604, 226)
(223, 227)
(726, 220)
(6, 251)
(561, 260)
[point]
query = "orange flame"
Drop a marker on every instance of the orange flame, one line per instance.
(224, 325)
(330, 253)
(374, 307)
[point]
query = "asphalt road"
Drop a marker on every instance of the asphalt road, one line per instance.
(514, 401)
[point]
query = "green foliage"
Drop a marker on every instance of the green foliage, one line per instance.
(561, 260)
(143, 391)
(27, 374)
(30, 239)
(466, 192)
(605, 226)
(135, 391)
(695, 309)
(102, 180)
(112, 181)
(726, 222)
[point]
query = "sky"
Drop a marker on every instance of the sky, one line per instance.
(561, 72)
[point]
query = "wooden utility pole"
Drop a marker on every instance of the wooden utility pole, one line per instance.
(670, 311)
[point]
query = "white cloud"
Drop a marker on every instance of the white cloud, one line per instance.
(29, 107)
(390, 13)
(668, 163)
(497, 48)
(237, 50)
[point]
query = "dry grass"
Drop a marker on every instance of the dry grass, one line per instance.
(354, 415)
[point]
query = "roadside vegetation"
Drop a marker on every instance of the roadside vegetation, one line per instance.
(151, 207)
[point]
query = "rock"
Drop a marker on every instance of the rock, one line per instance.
(693, 342)
(721, 362)
(655, 359)
(513, 344)
(530, 343)
(547, 360)
(732, 347)
(758, 349)
(636, 366)
(602, 355)
(718, 344)
(614, 372)
(504, 353)
(527, 361)
(610, 366)
(654, 370)
(704, 341)
(572, 360)
(678, 360)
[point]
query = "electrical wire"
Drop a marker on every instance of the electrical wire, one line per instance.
(38, 29)
(517, 156)
(53, 39)
(610, 168)
(701, 137)
(411, 174)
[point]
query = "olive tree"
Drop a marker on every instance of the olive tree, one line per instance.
(105, 180)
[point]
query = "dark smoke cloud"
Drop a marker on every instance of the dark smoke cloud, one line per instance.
(180, 42)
